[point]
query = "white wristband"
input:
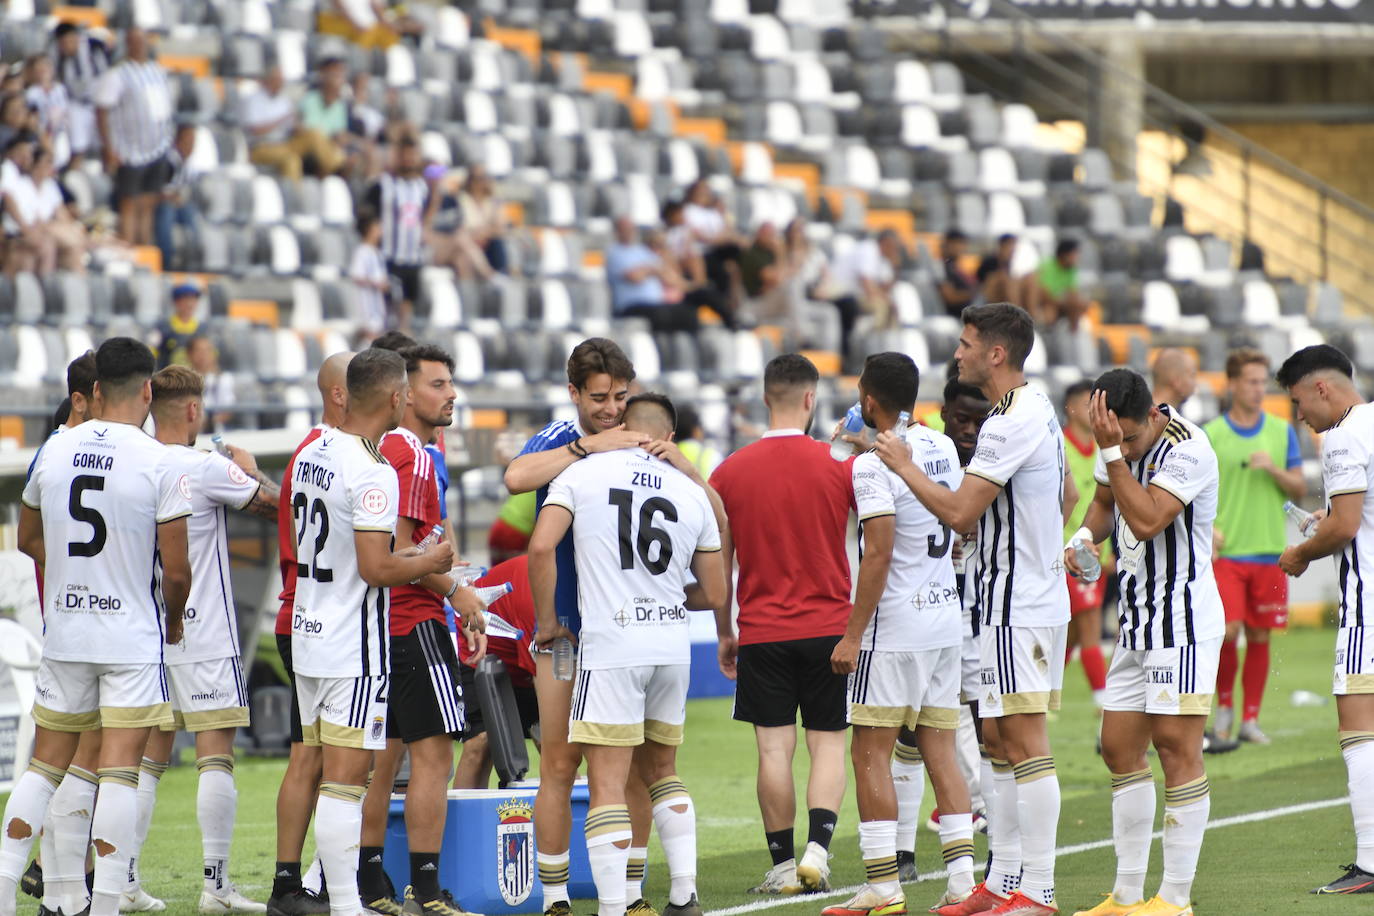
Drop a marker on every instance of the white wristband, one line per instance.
(1111, 453)
(1083, 535)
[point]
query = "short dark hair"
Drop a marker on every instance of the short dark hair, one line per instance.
(1065, 246)
(81, 375)
(63, 413)
(425, 353)
(687, 422)
(1005, 324)
(371, 371)
(891, 379)
(1127, 393)
(670, 209)
(656, 401)
(595, 356)
(787, 371)
(394, 340)
(366, 219)
(63, 28)
(19, 139)
(122, 363)
(1313, 359)
(1082, 386)
(955, 389)
(1006, 237)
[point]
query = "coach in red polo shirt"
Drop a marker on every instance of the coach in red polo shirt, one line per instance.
(788, 503)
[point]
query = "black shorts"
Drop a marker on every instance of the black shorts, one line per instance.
(426, 699)
(284, 650)
(777, 678)
(141, 180)
(409, 277)
(526, 703)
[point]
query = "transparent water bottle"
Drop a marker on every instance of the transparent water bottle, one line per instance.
(853, 422)
(427, 542)
(1300, 516)
(466, 575)
(493, 592)
(220, 445)
(1087, 560)
(501, 628)
(564, 662)
(903, 421)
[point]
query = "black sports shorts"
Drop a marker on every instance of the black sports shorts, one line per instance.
(426, 699)
(778, 678)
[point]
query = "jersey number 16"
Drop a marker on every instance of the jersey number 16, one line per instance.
(642, 544)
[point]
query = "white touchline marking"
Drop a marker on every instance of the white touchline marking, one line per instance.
(1233, 820)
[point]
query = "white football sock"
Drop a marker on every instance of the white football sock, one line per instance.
(112, 836)
(66, 837)
(878, 847)
(677, 831)
(150, 773)
(909, 781)
(607, 826)
(216, 805)
(982, 801)
(1186, 809)
(1004, 831)
(338, 831)
(967, 753)
(956, 844)
(313, 879)
(553, 876)
(634, 873)
(1037, 802)
(1358, 750)
(1133, 822)
(25, 812)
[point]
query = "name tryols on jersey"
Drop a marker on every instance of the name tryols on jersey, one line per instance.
(1348, 467)
(217, 485)
(340, 484)
(1168, 592)
(637, 523)
(920, 608)
(103, 488)
(1020, 578)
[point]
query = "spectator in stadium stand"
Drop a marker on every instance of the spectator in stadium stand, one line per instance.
(176, 331)
(805, 279)
(861, 279)
(178, 205)
(406, 201)
(277, 138)
(134, 117)
(1085, 598)
(47, 99)
(366, 23)
(714, 238)
(28, 245)
(1260, 467)
(690, 437)
(517, 609)
(1173, 376)
(788, 504)
(16, 118)
(324, 110)
(53, 211)
(219, 397)
(994, 273)
(638, 277)
(80, 60)
(957, 288)
(1054, 292)
(367, 271)
(484, 219)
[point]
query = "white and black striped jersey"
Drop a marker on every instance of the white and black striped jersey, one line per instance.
(1348, 467)
(139, 102)
(1020, 578)
(1169, 595)
(401, 204)
(80, 71)
(340, 483)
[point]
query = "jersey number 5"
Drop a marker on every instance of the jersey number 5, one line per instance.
(80, 484)
(623, 500)
(319, 517)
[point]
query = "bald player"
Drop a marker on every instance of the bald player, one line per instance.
(1174, 375)
(296, 797)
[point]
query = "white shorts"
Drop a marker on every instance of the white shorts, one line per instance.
(971, 669)
(84, 696)
(1022, 669)
(1163, 682)
(621, 707)
(343, 711)
(892, 689)
(208, 695)
(1354, 670)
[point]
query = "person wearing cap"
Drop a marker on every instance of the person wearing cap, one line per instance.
(180, 326)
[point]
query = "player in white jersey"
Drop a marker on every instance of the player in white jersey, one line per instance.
(344, 502)
(1320, 381)
(204, 672)
(104, 508)
(1157, 491)
(901, 646)
(642, 531)
(1013, 491)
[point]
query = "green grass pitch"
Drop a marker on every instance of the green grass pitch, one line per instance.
(1262, 866)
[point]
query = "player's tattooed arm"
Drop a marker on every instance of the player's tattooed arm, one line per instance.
(265, 500)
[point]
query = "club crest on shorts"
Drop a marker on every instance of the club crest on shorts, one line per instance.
(515, 850)
(378, 728)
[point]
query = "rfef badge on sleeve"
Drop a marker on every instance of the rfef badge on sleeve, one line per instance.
(515, 850)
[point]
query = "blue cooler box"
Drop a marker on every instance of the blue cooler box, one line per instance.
(488, 857)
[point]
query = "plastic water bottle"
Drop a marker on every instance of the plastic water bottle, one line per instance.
(501, 628)
(852, 423)
(220, 445)
(427, 542)
(493, 592)
(1090, 564)
(564, 664)
(1300, 516)
(466, 575)
(903, 421)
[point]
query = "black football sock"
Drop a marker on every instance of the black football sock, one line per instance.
(781, 845)
(371, 877)
(822, 826)
(424, 875)
(286, 878)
